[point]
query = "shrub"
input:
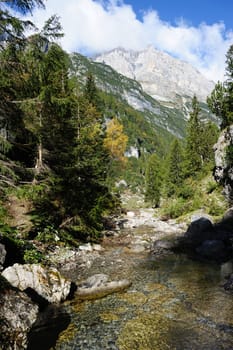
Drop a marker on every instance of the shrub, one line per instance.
(32, 256)
(175, 208)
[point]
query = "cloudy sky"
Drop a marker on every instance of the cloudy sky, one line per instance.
(197, 31)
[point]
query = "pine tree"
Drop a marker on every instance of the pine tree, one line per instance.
(175, 169)
(153, 180)
(193, 157)
(12, 29)
(217, 103)
(220, 101)
(37, 69)
(91, 93)
(229, 85)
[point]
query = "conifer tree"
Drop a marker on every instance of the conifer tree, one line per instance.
(153, 180)
(220, 101)
(175, 169)
(193, 159)
(91, 92)
(12, 29)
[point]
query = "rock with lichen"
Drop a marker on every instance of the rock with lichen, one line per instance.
(46, 282)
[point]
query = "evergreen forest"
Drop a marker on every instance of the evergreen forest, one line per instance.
(63, 145)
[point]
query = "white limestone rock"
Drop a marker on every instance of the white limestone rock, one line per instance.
(17, 313)
(48, 283)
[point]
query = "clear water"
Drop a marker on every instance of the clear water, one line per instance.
(173, 303)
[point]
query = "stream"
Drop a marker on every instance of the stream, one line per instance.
(173, 303)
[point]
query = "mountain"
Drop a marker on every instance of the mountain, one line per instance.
(160, 75)
(165, 116)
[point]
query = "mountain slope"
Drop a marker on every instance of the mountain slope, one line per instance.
(169, 116)
(161, 76)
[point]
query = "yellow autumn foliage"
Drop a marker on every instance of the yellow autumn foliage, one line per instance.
(116, 141)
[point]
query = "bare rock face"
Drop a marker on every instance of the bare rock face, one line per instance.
(47, 283)
(17, 315)
(161, 76)
(223, 172)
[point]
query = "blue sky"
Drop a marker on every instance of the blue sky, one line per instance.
(193, 11)
(199, 32)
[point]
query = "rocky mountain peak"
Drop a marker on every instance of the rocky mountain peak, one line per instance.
(161, 75)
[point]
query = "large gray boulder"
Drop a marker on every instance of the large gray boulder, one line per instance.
(199, 231)
(47, 283)
(17, 315)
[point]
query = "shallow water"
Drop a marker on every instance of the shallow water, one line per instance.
(173, 303)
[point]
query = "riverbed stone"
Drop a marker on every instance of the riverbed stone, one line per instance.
(199, 231)
(17, 315)
(97, 286)
(47, 283)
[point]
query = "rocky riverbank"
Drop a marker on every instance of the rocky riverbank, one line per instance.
(28, 291)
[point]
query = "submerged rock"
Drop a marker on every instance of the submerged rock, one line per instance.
(97, 286)
(47, 283)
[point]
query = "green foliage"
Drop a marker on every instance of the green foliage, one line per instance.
(153, 181)
(221, 99)
(175, 208)
(229, 155)
(193, 142)
(174, 169)
(48, 235)
(211, 186)
(32, 256)
(201, 137)
(24, 5)
(217, 103)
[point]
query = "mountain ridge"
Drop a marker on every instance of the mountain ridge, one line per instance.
(161, 75)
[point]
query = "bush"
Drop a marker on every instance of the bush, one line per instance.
(175, 208)
(211, 187)
(32, 256)
(48, 235)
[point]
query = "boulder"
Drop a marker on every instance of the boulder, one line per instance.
(199, 231)
(229, 284)
(213, 249)
(17, 315)
(47, 283)
(2, 255)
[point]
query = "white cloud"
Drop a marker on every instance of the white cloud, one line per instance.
(92, 27)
